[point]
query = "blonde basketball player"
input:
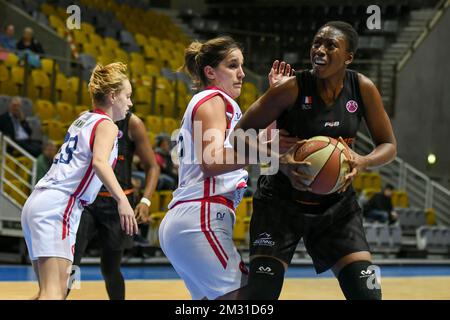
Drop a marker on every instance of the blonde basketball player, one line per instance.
(196, 233)
(51, 215)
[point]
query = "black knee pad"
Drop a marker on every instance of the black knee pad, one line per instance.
(360, 280)
(265, 279)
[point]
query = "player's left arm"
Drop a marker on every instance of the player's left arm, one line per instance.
(144, 151)
(380, 128)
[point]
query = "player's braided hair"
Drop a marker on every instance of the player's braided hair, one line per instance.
(106, 79)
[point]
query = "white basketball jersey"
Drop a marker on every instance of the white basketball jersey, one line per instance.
(193, 184)
(72, 170)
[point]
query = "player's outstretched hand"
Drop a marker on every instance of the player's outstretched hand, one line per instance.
(127, 219)
(141, 213)
(357, 164)
(296, 170)
(279, 71)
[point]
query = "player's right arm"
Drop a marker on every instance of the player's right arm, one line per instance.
(104, 139)
(212, 152)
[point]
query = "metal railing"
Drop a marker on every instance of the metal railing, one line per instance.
(10, 152)
(422, 191)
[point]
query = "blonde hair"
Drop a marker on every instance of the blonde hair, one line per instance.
(199, 55)
(106, 79)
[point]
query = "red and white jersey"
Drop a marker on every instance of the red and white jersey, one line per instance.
(193, 184)
(72, 170)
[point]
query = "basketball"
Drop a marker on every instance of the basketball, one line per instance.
(328, 166)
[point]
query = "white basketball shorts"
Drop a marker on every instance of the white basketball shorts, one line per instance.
(197, 238)
(50, 220)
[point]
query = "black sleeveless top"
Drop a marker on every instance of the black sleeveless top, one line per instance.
(310, 117)
(125, 155)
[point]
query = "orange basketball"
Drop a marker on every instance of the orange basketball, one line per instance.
(328, 167)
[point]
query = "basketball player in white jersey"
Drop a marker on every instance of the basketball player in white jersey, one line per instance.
(51, 215)
(196, 233)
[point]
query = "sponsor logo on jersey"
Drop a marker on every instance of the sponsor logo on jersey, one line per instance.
(238, 115)
(120, 134)
(351, 106)
(264, 239)
(331, 124)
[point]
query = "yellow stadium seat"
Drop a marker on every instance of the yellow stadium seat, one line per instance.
(91, 49)
(61, 83)
(48, 10)
(357, 183)
(152, 70)
(55, 130)
(141, 40)
(80, 109)
(104, 59)
(79, 37)
(42, 82)
(165, 198)
(122, 56)
(154, 207)
(136, 68)
(153, 124)
(66, 112)
(56, 22)
(47, 66)
(151, 54)
(142, 95)
(154, 42)
(164, 104)
(141, 110)
(12, 60)
(164, 84)
(136, 56)
(96, 40)
(111, 43)
(250, 88)
(4, 76)
(170, 125)
(400, 199)
(156, 218)
(87, 28)
(44, 109)
(430, 216)
(152, 138)
(69, 96)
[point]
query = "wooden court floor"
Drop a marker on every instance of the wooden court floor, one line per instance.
(404, 288)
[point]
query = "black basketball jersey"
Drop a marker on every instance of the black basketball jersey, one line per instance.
(310, 117)
(123, 167)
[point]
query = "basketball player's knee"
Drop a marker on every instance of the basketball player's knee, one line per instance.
(359, 281)
(266, 278)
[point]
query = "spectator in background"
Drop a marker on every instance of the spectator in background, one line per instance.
(14, 125)
(7, 40)
(28, 42)
(168, 178)
(30, 48)
(45, 159)
(379, 207)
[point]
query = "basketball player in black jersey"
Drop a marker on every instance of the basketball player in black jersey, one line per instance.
(101, 216)
(328, 100)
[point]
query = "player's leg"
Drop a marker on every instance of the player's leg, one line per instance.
(114, 281)
(273, 239)
(358, 277)
(53, 276)
(85, 233)
(336, 240)
(112, 243)
(36, 272)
